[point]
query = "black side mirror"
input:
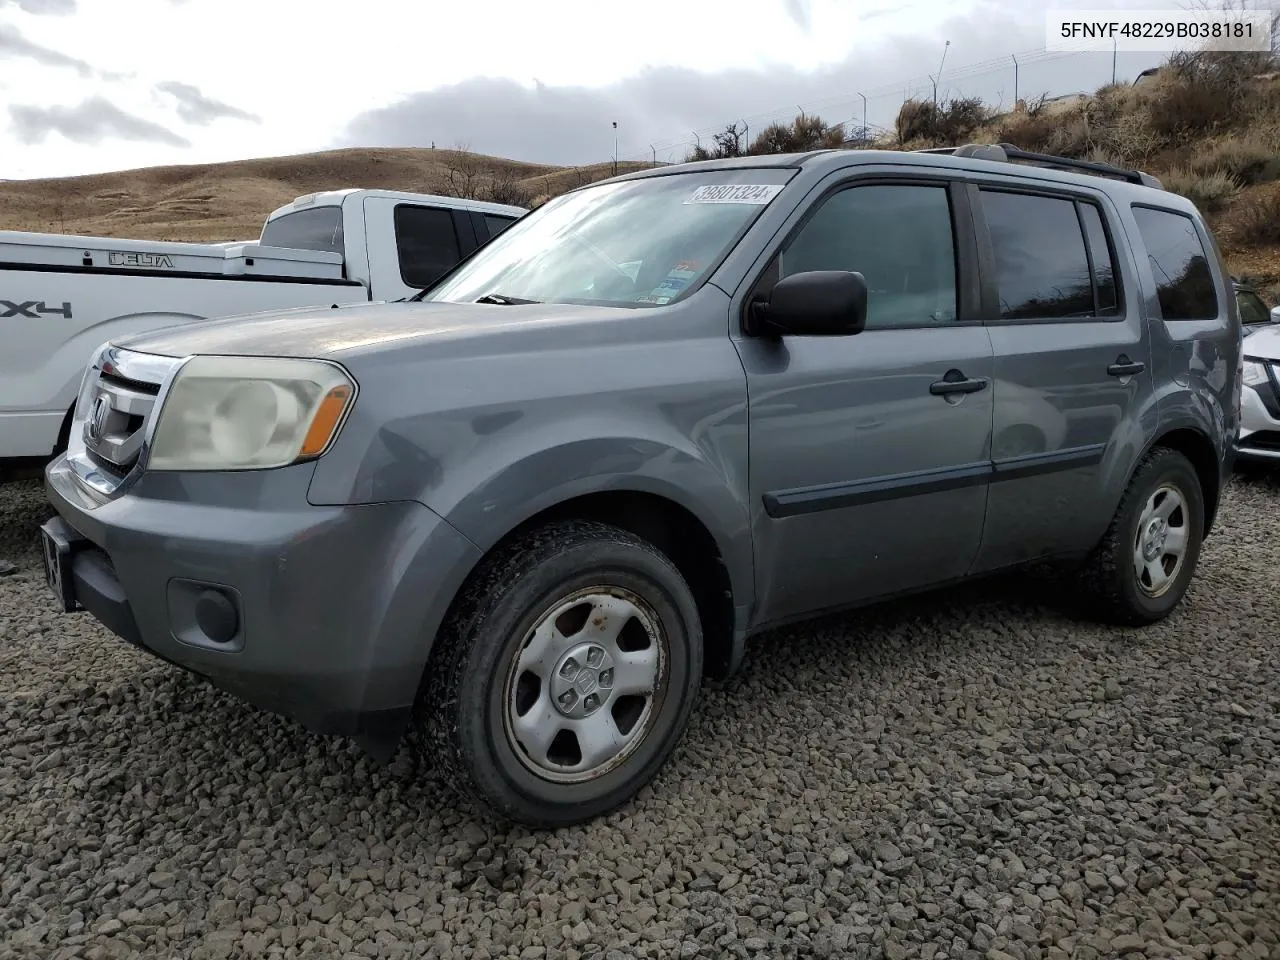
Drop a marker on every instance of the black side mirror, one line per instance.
(819, 303)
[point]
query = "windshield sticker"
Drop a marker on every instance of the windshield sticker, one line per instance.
(756, 193)
(680, 276)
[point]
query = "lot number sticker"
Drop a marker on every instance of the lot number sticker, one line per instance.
(756, 193)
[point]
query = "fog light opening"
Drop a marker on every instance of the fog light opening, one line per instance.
(216, 616)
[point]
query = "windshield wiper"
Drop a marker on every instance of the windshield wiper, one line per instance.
(503, 299)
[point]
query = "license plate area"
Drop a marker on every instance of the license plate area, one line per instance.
(58, 546)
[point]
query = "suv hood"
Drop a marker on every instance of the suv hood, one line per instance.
(332, 332)
(1264, 344)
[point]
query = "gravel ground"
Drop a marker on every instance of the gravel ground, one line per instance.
(973, 775)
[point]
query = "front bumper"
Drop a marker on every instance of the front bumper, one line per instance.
(1259, 437)
(322, 614)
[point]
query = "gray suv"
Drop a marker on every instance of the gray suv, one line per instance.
(534, 509)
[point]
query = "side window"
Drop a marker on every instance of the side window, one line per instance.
(427, 243)
(899, 237)
(1252, 309)
(497, 224)
(1042, 266)
(1184, 281)
(1104, 264)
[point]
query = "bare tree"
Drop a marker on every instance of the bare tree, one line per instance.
(464, 174)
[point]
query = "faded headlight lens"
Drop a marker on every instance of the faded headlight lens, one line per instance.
(1255, 373)
(250, 413)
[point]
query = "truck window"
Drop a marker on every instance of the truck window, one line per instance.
(319, 228)
(427, 243)
(497, 224)
(898, 237)
(1042, 261)
(1252, 309)
(1179, 264)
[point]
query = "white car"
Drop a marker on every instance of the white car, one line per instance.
(62, 296)
(1259, 438)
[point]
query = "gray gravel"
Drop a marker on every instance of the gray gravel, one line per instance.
(969, 776)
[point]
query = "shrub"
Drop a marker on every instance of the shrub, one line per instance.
(805, 132)
(958, 120)
(1128, 138)
(1211, 192)
(1249, 159)
(1180, 109)
(1255, 218)
(915, 121)
(1028, 131)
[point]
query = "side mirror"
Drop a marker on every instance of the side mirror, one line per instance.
(819, 303)
(1275, 314)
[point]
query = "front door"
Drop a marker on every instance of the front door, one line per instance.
(869, 458)
(429, 241)
(1072, 367)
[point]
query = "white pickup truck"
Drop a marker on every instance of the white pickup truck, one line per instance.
(62, 296)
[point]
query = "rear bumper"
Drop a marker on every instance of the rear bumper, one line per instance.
(322, 614)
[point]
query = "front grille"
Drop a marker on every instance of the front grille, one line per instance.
(122, 394)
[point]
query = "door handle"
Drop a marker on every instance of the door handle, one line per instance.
(1124, 367)
(957, 382)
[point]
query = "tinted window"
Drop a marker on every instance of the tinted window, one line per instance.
(427, 243)
(898, 237)
(497, 224)
(319, 228)
(1104, 266)
(1042, 270)
(1179, 264)
(1252, 309)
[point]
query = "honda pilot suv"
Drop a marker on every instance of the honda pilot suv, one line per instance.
(534, 507)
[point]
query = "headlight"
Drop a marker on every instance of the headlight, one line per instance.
(1255, 373)
(249, 413)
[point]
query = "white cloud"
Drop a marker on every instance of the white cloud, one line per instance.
(309, 70)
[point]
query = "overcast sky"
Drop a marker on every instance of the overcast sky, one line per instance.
(94, 85)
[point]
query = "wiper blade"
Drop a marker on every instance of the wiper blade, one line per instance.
(502, 298)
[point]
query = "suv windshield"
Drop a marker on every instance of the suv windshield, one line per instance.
(634, 243)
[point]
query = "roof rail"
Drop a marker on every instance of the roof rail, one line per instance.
(1008, 152)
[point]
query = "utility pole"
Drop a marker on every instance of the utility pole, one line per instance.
(933, 117)
(1113, 62)
(615, 148)
(655, 154)
(1015, 83)
(865, 133)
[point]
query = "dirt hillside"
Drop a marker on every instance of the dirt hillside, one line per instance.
(228, 201)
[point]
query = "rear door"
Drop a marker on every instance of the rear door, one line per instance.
(1072, 368)
(429, 241)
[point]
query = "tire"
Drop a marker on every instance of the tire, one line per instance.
(1119, 594)
(489, 713)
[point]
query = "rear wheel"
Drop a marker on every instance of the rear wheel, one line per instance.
(1142, 567)
(566, 675)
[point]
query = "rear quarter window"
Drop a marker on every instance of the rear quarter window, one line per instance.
(1179, 264)
(319, 228)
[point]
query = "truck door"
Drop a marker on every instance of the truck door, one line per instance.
(411, 245)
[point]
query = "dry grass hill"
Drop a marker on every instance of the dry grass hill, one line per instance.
(228, 201)
(1207, 124)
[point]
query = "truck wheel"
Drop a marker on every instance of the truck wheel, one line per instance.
(565, 676)
(1142, 567)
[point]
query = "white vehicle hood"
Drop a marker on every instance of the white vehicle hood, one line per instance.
(1265, 344)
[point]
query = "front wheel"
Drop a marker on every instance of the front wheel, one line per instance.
(1144, 564)
(566, 675)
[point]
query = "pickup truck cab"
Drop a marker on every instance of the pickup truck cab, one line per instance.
(532, 508)
(62, 296)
